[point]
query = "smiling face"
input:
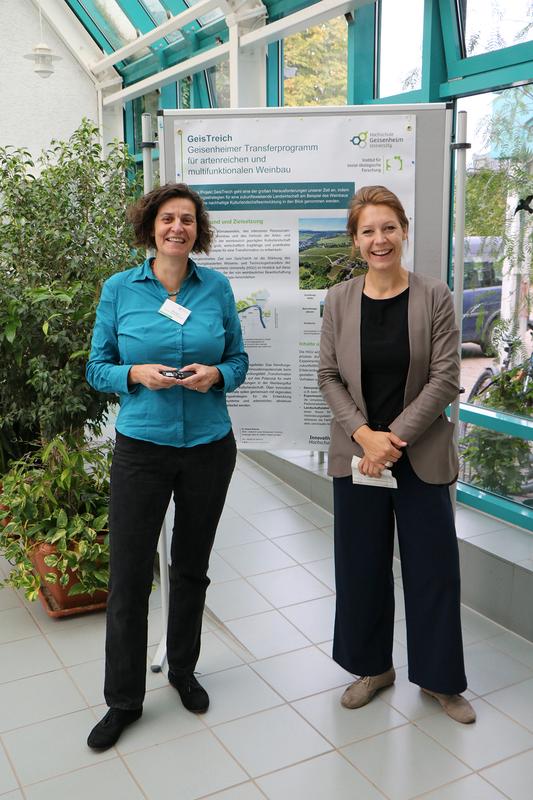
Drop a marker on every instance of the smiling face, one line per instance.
(175, 228)
(380, 237)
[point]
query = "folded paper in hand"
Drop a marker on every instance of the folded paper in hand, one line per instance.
(386, 480)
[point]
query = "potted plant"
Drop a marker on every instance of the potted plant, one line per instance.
(63, 231)
(55, 501)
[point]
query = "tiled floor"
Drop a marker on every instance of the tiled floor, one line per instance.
(275, 728)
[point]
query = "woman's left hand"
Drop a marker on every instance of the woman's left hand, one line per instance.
(367, 467)
(203, 379)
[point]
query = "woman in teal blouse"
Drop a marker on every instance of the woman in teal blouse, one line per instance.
(174, 437)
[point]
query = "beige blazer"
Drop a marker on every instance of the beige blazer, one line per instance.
(432, 378)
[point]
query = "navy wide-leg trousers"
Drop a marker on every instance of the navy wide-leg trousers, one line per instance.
(364, 621)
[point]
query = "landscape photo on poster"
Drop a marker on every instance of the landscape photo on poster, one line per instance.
(325, 253)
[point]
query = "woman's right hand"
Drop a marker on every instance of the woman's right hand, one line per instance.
(150, 376)
(381, 448)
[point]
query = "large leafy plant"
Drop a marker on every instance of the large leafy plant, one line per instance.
(62, 232)
(58, 495)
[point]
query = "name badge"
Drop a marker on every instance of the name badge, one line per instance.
(174, 311)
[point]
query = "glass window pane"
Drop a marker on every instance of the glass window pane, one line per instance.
(211, 16)
(400, 49)
(497, 463)
(493, 24)
(159, 16)
(218, 77)
(315, 65)
(114, 24)
(496, 369)
(148, 103)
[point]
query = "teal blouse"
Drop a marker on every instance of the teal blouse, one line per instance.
(129, 330)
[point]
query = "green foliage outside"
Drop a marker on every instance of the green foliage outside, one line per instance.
(63, 233)
(318, 59)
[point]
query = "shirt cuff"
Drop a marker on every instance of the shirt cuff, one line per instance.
(228, 381)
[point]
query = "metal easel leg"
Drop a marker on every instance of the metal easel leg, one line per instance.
(161, 653)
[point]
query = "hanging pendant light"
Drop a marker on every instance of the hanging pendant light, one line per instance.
(42, 55)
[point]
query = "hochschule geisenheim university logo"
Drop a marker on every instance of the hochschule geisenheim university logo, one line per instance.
(360, 139)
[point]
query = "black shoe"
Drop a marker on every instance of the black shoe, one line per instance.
(193, 696)
(107, 732)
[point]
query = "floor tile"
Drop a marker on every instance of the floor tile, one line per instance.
(8, 781)
(326, 776)
(289, 495)
(256, 557)
(16, 623)
(513, 777)
(470, 788)
(79, 644)
(476, 744)
(53, 747)
(288, 586)
(267, 634)
(16, 795)
(316, 514)
(280, 522)
(40, 697)
(9, 599)
(342, 725)
(235, 531)
(110, 779)
(220, 570)
(255, 501)
(235, 693)
(477, 626)
(514, 646)
(89, 678)
(302, 673)
(399, 602)
(489, 669)
(324, 570)
(271, 740)
(215, 655)
(246, 791)
(399, 654)
(241, 481)
(164, 718)
(515, 701)
(407, 698)
(307, 546)
(315, 618)
(256, 473)
(233, 599)
(26, 657)
(404, 763)
(199, 763)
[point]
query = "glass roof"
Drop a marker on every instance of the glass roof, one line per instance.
(115, 23)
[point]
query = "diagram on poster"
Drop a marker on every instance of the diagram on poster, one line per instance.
(278, 191)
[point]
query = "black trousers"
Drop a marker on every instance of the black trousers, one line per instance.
(364, 622)
(143, 478)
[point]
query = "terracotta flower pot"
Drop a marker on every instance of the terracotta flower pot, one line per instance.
(54, 597)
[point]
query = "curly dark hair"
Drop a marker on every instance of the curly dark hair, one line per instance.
(142, 215)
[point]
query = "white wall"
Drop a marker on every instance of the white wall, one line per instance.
(34, 110)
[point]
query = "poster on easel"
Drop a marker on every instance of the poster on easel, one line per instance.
(278, 191)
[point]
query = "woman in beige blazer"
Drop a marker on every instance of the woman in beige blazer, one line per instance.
(389, 366)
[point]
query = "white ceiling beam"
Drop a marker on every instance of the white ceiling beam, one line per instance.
(171, 75)
(300, 21)
(174, 23)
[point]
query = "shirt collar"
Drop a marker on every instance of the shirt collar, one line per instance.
(144, 271)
